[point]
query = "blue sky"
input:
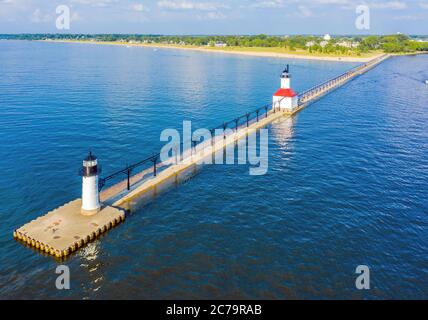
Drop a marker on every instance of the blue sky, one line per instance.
(215, 16)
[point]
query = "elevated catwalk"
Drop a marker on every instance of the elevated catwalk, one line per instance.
(69, 227)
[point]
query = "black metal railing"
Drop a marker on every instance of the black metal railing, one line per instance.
(234, 124)
(331, 82)
(245, 119)
(128, 171)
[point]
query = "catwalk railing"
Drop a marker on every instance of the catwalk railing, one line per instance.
(310, 93)
(244, 120)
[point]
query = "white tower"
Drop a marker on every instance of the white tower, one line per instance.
(285, 98)
(90, 196)
(285, 79)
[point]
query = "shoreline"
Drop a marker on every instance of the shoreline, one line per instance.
(234, 52)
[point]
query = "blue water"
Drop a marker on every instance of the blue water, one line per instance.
(347, 182)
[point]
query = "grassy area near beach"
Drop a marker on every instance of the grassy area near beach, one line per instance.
(249, 51)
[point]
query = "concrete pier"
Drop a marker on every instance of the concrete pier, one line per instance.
(191, 158)
(65, 229)
(208, 148)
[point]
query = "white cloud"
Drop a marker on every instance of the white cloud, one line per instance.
(95, 3)
(303, 5)
(343, 4)
(139, 7)
(190, 5)
(423, 5)
(214, 15)
(394, 5)
(378, 4)
(75, 16)
(305, 11)
(269, 4)
(39, 17)
(406, 18)
(340, 2)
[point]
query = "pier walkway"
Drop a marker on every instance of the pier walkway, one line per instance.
(147, 179)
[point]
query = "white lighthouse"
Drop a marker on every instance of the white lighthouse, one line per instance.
(90, 195)
(285, 98)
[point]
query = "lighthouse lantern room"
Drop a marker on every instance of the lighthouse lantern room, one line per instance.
(90, 194)
(285, 98)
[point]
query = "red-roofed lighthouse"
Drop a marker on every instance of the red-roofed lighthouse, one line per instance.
(285, 98)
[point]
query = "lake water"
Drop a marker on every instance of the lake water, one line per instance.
(347, 182)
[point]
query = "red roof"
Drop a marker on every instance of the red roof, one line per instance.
(285, 93)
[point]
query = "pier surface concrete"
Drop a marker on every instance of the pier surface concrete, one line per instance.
(65, 229)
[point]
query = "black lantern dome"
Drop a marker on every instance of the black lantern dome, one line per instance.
(90, 165)
(285, 73)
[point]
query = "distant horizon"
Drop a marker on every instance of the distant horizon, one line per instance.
(211, 35)
(215, 17)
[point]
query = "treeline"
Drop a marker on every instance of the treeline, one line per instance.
(351, 44)
(393, 44)
(233, 41)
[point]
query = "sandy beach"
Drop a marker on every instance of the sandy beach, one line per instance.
(232, 51)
